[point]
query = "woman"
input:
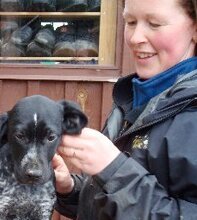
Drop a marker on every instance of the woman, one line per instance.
(145, 166)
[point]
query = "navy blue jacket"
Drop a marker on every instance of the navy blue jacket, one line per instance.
(155, 176)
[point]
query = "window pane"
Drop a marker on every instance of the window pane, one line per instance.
(50, 31)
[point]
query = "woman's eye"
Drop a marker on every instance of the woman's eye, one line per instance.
(154, 25)
(131, 23)
(51, 137)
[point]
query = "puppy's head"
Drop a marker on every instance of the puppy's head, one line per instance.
(34, 129)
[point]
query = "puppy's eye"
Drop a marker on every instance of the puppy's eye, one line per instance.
(20, 136)
(51, 137)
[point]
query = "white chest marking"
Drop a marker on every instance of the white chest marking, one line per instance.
(35, 119)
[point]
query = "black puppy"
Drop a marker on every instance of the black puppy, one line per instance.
(29, 136)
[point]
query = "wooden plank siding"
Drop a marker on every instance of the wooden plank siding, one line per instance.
(97, 104)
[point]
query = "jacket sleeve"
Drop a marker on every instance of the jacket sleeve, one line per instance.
(132, 192)
(176, 153)
(67, 204)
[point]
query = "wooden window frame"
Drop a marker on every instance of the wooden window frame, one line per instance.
(108, 68)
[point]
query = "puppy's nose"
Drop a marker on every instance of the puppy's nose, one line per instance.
(33, 174)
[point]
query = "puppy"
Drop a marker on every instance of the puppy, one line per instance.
(29, 136)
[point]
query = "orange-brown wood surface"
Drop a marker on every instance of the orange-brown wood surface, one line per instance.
(93, 97)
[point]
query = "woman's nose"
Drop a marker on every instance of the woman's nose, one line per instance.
(138, 36)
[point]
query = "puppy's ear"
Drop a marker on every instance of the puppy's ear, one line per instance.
(3, 128)
(74, 118)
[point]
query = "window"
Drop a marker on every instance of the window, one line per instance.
(53, 32)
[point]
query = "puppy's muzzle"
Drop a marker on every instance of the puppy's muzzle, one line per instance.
(33, 174)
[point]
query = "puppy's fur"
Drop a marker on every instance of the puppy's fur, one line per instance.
(29, 136)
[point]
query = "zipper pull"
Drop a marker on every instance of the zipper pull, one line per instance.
(124, 127)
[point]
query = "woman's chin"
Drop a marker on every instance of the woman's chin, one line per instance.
(146, 73)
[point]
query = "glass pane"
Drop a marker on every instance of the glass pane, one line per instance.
(50, 31)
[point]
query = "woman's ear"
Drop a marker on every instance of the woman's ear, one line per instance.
(74, 120)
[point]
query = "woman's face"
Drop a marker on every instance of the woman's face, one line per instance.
(159, 33)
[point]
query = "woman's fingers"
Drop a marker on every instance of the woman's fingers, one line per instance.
(56, 161)
(64, 182)
(88, 150)
(68, 151)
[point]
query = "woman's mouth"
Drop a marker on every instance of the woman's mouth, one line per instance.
(144, 55)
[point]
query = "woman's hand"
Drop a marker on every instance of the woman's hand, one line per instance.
(64, 181)
(90, 151)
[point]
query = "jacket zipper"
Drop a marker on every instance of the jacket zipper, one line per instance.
(124, 128)
(172, 113)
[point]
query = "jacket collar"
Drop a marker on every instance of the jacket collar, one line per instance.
(123, 92)
(143, 91)
(168, 104)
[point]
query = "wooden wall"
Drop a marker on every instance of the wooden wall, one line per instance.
(94, 97)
